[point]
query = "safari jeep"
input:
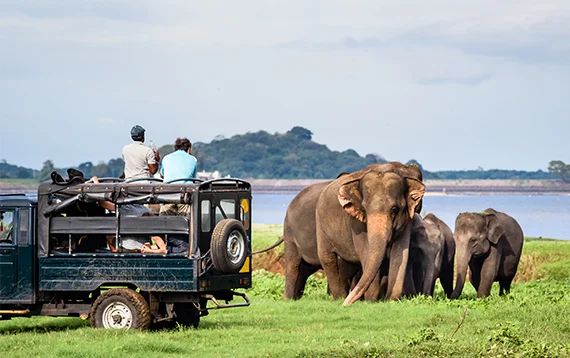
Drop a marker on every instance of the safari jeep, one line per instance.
(55, 256)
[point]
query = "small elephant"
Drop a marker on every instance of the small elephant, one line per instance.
(432, 251)
(360, 218)
(490, 243)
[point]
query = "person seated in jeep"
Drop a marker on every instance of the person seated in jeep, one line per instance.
(140, 244)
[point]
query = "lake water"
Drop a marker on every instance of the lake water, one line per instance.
(539, 215)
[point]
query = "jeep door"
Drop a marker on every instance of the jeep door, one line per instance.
(8, 264)
(17, 256)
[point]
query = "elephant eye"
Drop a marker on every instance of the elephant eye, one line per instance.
(394, 210)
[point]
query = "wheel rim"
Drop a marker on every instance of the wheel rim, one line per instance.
(236, 247)
(117, 315)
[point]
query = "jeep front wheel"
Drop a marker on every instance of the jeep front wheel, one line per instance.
(229, 246)
(120, 308)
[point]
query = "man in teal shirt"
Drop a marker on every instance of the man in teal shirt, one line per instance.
(179, 164)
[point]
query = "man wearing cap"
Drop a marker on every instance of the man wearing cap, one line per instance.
(140, 160)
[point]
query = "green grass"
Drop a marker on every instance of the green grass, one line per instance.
(265, 235)
(533, 321)
(18, 181)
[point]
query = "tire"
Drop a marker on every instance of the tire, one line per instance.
(120, 308)
(229, 246)
(187, 314)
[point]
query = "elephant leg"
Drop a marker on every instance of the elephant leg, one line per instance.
(294, 283)
(505, 286)
(399, 255)
(305, 270)
(446, 279)
(337, 284)
(488, 273)
(383, 286)
(475, 274)
(373, 292)
(350, 273)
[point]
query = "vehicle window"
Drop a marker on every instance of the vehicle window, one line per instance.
(226, 210)
(24, 227)
(6, 223)
(205, 209)
(245, 213)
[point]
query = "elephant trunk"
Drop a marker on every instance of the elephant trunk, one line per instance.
(429, 278)
(463, 258)
(379, 234)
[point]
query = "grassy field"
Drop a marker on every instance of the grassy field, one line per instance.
(533, 321)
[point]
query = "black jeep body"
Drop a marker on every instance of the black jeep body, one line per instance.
(56, 260)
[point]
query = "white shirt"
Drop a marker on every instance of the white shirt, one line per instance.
(137, 157)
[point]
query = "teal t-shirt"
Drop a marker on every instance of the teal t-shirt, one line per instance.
(178, 165)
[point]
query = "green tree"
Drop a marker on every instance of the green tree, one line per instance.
(86, 168)
(116, 167)
(47, 168)
(301, 133)
(560, 169)
(101, 170)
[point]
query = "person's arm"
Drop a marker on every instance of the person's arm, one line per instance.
(152, 158)
(160, 247)
(110, 243)
(152, 168)
(103, 203)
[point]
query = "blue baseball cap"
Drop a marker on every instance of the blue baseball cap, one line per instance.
(137, 131)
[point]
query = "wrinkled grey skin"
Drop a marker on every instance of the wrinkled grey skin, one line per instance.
(490, 243)
(360, 218)
(448, 260)
(300, 240)
(301, 257)
(432, 251)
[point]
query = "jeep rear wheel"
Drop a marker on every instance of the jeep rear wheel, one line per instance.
(120, 308)
(229, 246)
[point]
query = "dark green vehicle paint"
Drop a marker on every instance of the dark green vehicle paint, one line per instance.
(34, 281)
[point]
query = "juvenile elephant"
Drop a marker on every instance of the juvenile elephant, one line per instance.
(362, 216)
(432, 251)
(448, 261)
(491, 244)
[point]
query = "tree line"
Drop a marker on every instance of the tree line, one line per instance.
(290, 155)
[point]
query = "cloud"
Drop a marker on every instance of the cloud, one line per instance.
(471, 81)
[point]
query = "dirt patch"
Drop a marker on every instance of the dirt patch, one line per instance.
(271, 261)
(529, 267)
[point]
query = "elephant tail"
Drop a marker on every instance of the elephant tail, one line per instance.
(271, 247)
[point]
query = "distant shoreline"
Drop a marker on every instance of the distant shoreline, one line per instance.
(436, 187)
(433, 187)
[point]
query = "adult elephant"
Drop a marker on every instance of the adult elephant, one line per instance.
(300, 238)
(432, 252)
(490, 243)
(362, 216)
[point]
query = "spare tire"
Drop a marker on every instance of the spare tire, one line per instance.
(228, 246)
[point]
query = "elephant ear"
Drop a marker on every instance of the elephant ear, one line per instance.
(350, 198)
(416, 191)
(494, 229)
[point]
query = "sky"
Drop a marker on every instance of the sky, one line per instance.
(452, 84)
